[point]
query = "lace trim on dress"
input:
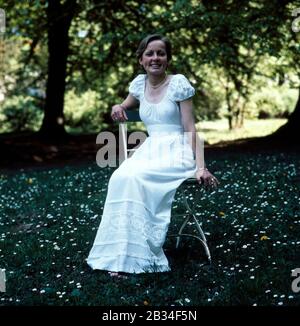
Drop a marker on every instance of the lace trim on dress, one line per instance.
(180, 88)
(144, 229)
(130, 240)
(136, 87)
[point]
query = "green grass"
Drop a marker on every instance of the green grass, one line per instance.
(217, 131)
(49, 220)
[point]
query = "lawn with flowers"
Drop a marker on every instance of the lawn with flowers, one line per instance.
(49, 219)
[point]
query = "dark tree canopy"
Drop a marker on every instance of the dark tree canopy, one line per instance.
(86, 44)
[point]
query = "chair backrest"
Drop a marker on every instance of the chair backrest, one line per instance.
(133, 116)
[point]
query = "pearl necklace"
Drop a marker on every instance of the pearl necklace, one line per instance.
(159, 84)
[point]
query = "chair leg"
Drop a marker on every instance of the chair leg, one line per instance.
(201, 238)
(181, 229)
(191, 216)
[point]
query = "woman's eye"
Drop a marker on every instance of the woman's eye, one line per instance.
(161, 54)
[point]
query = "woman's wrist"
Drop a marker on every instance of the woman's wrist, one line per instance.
(202, 169)
(123, 107)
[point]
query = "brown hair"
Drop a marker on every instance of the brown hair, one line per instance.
(154, 37)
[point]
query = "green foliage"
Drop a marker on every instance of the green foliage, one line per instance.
(207, 104)
(273, 102)
(218, 45)
(20, 113)
(82, 111)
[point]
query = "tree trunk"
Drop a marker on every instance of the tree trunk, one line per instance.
(290, 131)
(59, 20)
(242, 115)
(229, 108)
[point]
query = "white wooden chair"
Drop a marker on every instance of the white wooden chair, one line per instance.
(189, 217)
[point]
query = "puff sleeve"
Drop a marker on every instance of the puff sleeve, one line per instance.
(180, 88)
(136, 87)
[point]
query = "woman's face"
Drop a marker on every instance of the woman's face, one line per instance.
(154, 59)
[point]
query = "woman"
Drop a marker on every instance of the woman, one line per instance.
(137, 209)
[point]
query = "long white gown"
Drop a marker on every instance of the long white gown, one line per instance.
(137, 209)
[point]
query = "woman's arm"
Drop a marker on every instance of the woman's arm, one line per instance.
(197, 144)
(118, 110)
(188, 122)
(130, 102)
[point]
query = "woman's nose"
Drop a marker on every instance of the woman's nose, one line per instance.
(155, 56)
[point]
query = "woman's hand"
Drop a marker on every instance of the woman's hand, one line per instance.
(206, 178)
(118, 113)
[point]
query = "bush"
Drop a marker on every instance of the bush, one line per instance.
(20, 113)
(274, 102)
(82, 111)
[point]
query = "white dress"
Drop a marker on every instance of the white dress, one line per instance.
(137, 209)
